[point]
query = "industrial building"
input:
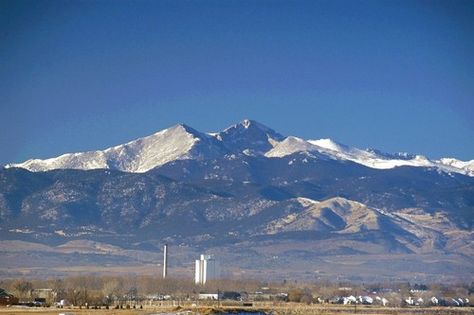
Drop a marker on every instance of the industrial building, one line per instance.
(207, 268)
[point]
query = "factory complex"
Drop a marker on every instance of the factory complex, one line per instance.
(206, 267)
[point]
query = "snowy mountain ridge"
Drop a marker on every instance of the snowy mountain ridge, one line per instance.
(378, 160)
(137, 156)
(248, 137)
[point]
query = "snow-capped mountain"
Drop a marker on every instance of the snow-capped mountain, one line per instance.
(466, 166)
(248, 137)
(370, 158)
(138, 156)
(249, 194)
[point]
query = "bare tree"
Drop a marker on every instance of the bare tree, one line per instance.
(23, 288)
(111, 288)
(57, 285)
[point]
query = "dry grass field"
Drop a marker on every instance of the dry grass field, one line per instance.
(284, 309)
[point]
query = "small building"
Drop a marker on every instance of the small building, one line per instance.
(7, 298)
(44, 296)
(231, 295)
(349, 300)
(366, 300)
(209, 296)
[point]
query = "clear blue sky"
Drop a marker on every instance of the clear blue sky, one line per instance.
(85, 75)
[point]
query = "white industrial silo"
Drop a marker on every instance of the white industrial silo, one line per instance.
(207, 268)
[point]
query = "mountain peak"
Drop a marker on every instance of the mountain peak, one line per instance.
(246, 123)
(249, 127)
(250, 137)
(252, 124)
(249, 123)
(289, 146)
(183, 127)
(177, 142)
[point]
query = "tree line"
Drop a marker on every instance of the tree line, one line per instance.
(105, 290)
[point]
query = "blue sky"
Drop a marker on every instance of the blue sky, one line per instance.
(85, 75)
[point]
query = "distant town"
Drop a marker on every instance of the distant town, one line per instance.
(209, 291)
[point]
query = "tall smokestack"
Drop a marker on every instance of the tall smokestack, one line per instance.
(165, 261)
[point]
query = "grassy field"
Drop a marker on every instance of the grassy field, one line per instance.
(286, 309)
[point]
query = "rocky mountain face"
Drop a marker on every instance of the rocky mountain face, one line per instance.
(264, 203)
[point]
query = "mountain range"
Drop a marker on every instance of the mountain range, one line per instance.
(248, 137)
(267, 205)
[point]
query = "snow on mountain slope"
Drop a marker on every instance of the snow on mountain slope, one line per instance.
(83, 161)
(467, 166)
(368, 158)
(247, 137)
(335, 150)
(141, 155)
(378, 160)
(293, 145)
